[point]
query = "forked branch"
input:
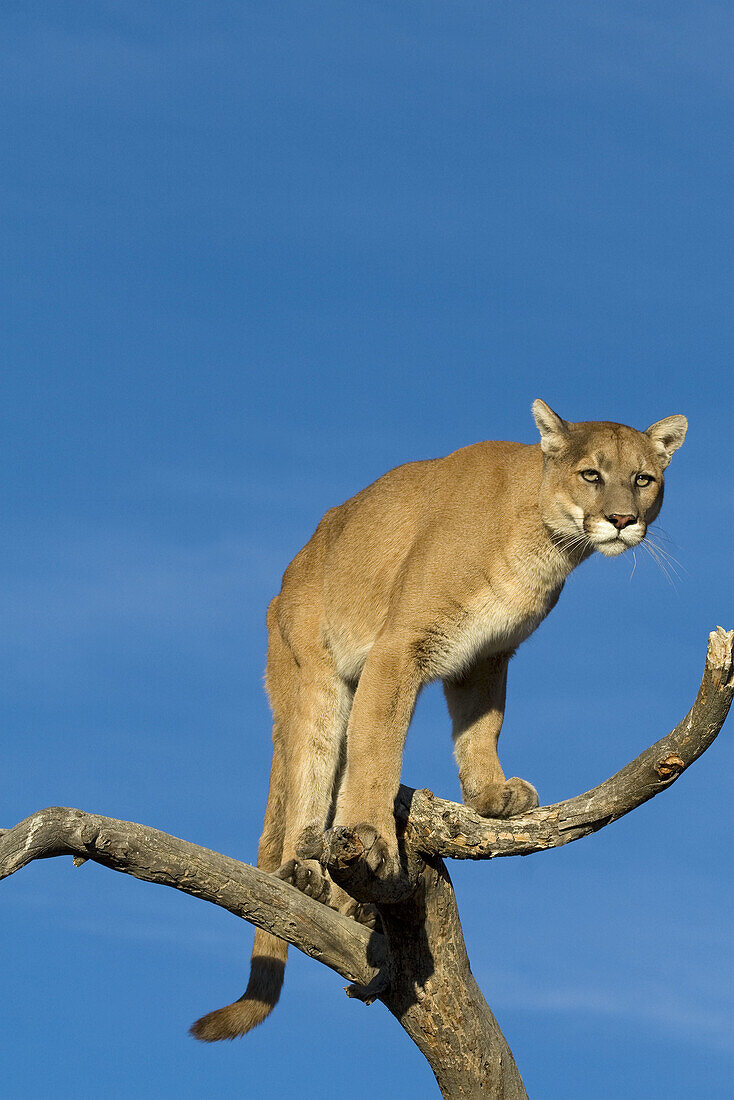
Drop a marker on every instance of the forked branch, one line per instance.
(148, 854)
(432, 826)
(435, 826)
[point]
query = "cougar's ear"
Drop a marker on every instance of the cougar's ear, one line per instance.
(667, 436)
(553, 430)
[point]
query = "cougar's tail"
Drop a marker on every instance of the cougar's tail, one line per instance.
(258, 1000)
(269, 953)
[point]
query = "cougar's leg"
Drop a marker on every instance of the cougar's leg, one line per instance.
(476, 704)
(317, 732)
(380, 716)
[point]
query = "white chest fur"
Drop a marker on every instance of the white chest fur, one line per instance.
(494, 620)
(488, 625)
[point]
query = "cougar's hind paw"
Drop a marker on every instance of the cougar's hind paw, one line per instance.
(366, 914)
(307, 875)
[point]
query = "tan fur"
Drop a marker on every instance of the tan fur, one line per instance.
(438, 570)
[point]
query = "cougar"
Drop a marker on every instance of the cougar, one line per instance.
(438, 570)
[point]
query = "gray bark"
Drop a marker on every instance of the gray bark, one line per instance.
(418, 966)
(444, 828)
(432, 992)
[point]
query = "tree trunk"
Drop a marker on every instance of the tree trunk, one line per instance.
(432, 992)
(418, 966)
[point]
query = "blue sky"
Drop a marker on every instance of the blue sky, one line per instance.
(255, 255)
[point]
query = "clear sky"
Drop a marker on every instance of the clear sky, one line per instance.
(255, 254)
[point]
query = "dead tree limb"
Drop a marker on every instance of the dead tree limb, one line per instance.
(153, 856)
(443, 828)
(418, 966)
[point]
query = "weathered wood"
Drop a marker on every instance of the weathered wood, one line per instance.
(264, 900)
(429, 986)
(419, 968)
(432, 992)
(435, 826)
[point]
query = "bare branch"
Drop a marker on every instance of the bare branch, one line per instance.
(435, 826)
(431, 826)
(426, 981)
(148, 854)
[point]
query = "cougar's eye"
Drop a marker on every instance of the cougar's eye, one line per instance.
(592, 476)
(643, 479)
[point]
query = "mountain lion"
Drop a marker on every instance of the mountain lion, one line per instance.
(439, 570)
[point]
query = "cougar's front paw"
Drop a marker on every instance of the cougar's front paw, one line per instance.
(381, 858)
(514, 796)
(361, 860)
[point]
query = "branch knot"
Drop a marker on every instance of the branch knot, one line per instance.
(670, 766)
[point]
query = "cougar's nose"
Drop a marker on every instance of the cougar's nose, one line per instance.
(620, 522)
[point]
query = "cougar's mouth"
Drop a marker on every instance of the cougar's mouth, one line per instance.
(605, 538)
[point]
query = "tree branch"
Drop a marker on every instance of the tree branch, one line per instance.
(424, 978)
(435, 826)
(342, 944)
(431, 826)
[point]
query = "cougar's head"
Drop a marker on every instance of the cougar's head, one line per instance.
(603, 483)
